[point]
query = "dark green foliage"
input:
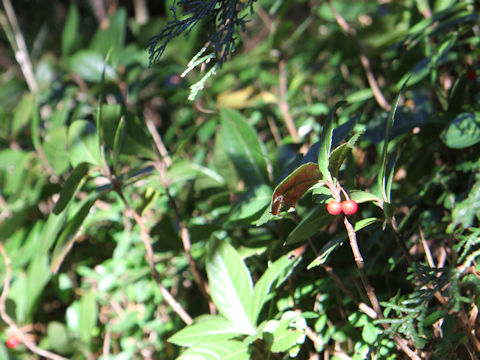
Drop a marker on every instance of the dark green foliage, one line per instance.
(109, 158)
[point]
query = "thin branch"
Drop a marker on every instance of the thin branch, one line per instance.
(283, 103)
(9, 321)
(185, 236)
(106, 344)
(20, 47)
(372, 81)
(162, 150)
(402, 344)
(147, 241)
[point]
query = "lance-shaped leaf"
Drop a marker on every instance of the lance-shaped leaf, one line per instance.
(205, 328)
(382, 174)
(338, 155)
(310, 224)
(272, 278)
(69, 234)
(326, 142)
(292, 188)
(70, 187)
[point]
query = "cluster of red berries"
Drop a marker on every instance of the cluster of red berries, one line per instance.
(348, 207)
(13, 342)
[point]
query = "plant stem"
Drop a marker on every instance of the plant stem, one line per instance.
(402, 344)
(147, 241)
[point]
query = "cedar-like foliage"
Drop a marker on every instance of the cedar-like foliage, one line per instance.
(223, 16)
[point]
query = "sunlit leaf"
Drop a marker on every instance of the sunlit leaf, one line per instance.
(326, 142)
(230, 285)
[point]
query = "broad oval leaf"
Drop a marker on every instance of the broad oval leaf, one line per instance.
(292, 188)
(463, 131)
(231, 286)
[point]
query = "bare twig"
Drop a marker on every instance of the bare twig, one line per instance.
(106, 344)
(24, 338)
(372, 81)
(283, 103)
(147, 241)
(162, 150)
(20, 48)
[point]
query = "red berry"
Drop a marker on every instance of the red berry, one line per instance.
(349, 207)
(12, 342)
(334, 207)
(471, 75)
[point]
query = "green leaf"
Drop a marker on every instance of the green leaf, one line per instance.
(90, 65)
(292, 188)
(112, 37)
(370, 333)
(326, 251)
(55, 148)
(338, 155)
(217, 350)
(37, 278)
(363, 196)
(70, 186)
(230, 285)
(326, 143)
(243, 148)
(23, 113)
(281, 334)
(365, 222)
(58, 338)
(88, 316)
(310, 225)
(382, 181)
(69, 234)
(251, 203)
(70, 32)
(463, 131)
(124, 132)
(204, 329)
(83, 143)
(275, 274)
